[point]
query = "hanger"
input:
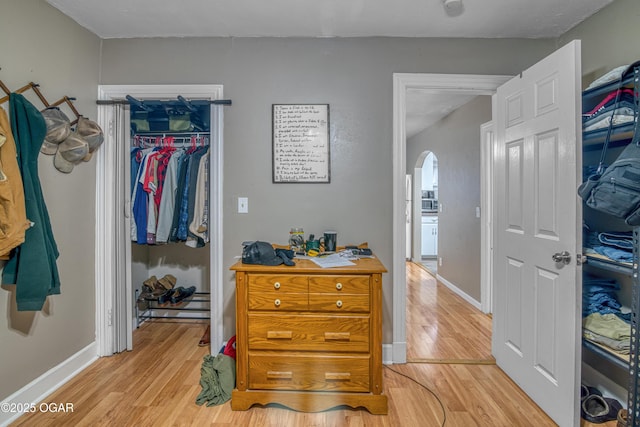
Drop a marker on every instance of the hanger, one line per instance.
(187, 104)
(138, 103)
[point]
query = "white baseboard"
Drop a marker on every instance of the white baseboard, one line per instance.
(459, 292)
(394, 353)
(38, 389)
(387, 354)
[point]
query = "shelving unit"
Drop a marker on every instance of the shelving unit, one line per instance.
(201, 300)
(620, 136)
(634, 357)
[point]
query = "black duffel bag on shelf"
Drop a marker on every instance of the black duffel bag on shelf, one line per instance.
(616, 190)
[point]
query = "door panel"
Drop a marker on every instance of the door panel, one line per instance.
(537, 163)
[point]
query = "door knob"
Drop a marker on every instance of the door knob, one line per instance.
(563, 257)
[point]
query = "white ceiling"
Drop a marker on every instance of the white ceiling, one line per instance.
(327, 18)
(425, 107)
(335, 18)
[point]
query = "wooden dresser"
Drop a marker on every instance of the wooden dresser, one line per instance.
(309, 338)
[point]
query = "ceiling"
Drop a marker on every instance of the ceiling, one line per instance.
(336, 18)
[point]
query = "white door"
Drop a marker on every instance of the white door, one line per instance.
(408, 209)
(537, 300)
(123, 314)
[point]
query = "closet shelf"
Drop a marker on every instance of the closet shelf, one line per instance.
(609, 265)
(598, 91)
(620, 136)
(610, 356)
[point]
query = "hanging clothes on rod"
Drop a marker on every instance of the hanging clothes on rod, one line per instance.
(169, 190)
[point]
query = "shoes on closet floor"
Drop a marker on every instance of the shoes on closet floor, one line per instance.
(597, 409)
(586, 391)
(151, 282)
(165, 297)
(181, 294)
(168, 281)
(143, 303)
(206, 337)
(623, 418)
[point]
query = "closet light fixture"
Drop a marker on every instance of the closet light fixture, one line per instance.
(453, 7)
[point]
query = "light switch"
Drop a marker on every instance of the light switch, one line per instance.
(243, 205)
(477, 211)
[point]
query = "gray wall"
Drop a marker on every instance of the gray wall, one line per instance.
(354, 76)
(609, 38)
(41, 45)
(455, 140)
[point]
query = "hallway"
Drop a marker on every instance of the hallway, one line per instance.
(441, 326)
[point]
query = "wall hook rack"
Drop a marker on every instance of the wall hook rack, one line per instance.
(36, 89)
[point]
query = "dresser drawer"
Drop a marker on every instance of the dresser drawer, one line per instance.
(277, 283)
(328, 333)
(348, 303)
(278, 301)
(339, 284)
(273, 371)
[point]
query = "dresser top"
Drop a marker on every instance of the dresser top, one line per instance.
(361, 266)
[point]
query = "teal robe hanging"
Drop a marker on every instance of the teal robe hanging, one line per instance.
(32, 266)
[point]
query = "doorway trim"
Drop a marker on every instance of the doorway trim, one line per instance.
(471, 84)
(106, 249)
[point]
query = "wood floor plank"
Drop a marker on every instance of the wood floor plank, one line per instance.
(157, 383)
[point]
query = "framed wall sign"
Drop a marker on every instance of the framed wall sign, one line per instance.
(301, 143)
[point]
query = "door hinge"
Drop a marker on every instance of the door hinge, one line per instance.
(581, 259)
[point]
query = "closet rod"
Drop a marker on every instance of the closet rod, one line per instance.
(124, 101)
(152, 134)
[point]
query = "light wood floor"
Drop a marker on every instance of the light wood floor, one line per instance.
(441, 326)
(158, 382)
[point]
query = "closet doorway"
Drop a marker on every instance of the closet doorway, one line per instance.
(115, 297)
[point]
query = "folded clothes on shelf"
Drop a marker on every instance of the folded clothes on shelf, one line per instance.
(619, 239)
(617, 246)
(599, 295)
(607, 325)
(609, 77)
(608, 331)
(620, 346)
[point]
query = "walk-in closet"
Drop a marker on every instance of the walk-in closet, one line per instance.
(162, 180)
(169, 176)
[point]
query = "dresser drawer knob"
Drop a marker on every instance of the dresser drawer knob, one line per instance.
(277, 302)
(339, 304)
(276, 285)
(339, 286)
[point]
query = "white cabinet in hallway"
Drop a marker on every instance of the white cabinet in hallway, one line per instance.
(429, 235)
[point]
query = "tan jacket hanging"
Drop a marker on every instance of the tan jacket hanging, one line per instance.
(13, 218)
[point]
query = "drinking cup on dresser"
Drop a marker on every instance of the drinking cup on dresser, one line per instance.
(312, 245)
(330, 240)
